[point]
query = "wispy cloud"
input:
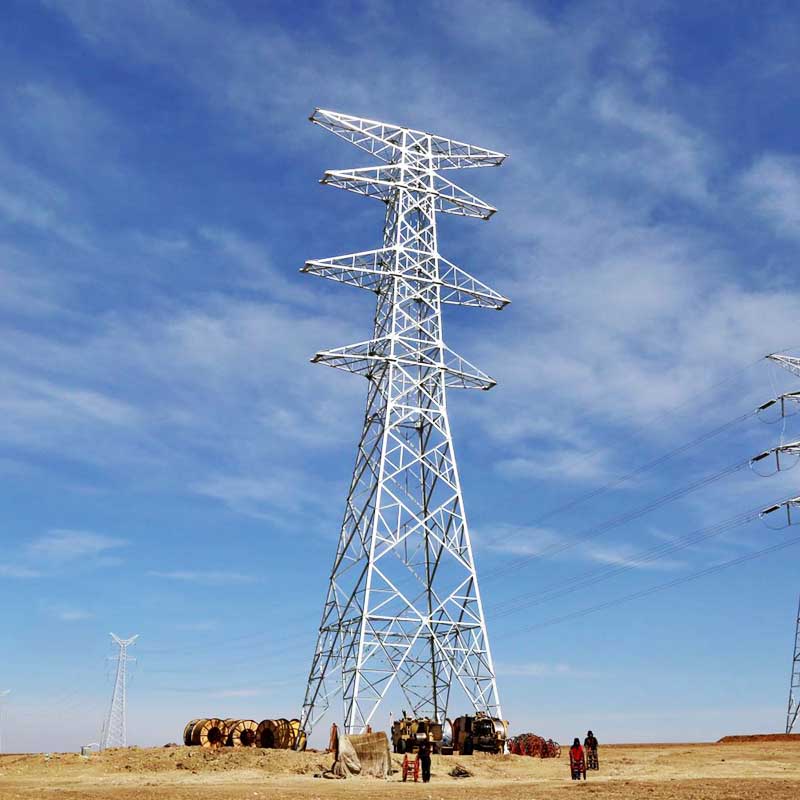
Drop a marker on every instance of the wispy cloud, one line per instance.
(534, 669)
(69, 545)
(211, 577)
(772, 186)
(72, 614)
(239, 693)
(16, 571)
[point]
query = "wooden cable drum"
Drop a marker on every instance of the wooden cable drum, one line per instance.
(294, 726)
(209, 733)
(230, 722)
(265, 733)
(284, 736)
(243, 733)
(187, 731)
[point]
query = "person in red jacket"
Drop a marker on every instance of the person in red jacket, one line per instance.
(577, 761)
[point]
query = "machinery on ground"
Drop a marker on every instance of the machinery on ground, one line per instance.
(479, 732)
(408, 733)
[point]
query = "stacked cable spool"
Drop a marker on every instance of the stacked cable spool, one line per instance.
(530, 744)
(213, 733)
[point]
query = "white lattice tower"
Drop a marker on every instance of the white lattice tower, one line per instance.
(793, 709)
(3, 698)
(791, 508)
(115, 731)
(403, 604)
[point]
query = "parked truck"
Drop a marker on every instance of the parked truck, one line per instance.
(408, 733)
(479, 732)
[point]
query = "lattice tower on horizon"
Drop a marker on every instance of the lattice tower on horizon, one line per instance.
(115, 730)
(792, 510)
(3, 698)
(403, 605)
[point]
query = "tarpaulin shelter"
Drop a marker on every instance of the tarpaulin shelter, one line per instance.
(363, 754)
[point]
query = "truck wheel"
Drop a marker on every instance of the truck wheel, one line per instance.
(401, 746)
(467, 747)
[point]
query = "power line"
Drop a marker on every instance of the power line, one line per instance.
(647, 426)
(615, 522)
(657, 588)
(646, 467)
(592, 577)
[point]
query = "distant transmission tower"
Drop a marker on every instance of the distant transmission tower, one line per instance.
(791, 508)
(403, 602)
(3, 695)
(115, 732)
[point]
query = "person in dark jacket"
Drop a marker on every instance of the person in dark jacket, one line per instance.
(590, 745)
(424, 757)
(577, 761)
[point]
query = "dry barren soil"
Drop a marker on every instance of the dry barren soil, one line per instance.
(750, 769)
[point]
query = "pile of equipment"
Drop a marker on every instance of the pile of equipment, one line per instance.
(213, 732)
(529, 744)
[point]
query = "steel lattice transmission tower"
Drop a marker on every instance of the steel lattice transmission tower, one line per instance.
(791, 508)
(3, 697)
(793, 709)
(115, 731)
(403, 602)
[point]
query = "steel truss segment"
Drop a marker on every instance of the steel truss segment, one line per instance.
(403, 602)
(370, 357)
(790, 363)
(385, 141)
(793, 709)
(381, 182)
(371, 269)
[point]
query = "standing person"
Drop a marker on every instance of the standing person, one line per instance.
(590, 743)
(424, 757)
(577, 760)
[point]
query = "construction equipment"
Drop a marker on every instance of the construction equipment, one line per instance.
(479, 732)
(408, 733)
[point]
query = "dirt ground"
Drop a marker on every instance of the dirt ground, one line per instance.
(750, 770)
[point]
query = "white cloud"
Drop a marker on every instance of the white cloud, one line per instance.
(627, 557)
(210, 577)
(664, 149)
(17, 571)
(72, 615)
(535, 669)
(70, 545)
(239, 693)
(772, 186)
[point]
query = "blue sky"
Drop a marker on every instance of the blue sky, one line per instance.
(173, 466)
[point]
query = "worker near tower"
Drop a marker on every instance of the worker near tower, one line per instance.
(590, 745)
(577, 761)
(424, 756)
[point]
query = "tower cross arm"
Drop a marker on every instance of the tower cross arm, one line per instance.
(124, 642)
(370, 357)
(790, 363)
(370, 268)
(385, 141)
(381, 182)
